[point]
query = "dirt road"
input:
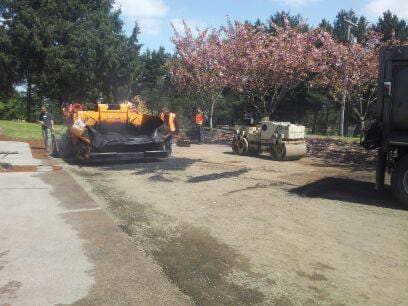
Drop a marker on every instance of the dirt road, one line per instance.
(245, 230)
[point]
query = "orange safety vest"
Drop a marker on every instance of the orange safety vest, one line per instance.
(199, 119)
(171, 122)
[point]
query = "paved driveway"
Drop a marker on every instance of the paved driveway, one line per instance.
(57, 246)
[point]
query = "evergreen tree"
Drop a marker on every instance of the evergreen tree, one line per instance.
(279, 19)
(6, 64)
(362, 29)
(153, 83)
(67, 50)
(26, 31)
(389, 25)
(340, 28)
(326, 25)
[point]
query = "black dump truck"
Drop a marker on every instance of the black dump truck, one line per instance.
(389, 134)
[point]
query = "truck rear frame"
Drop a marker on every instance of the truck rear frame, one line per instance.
(390, 133)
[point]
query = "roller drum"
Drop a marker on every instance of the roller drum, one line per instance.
(288, 151)
(295, 151)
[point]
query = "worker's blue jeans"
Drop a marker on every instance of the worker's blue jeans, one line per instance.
(46, 134)
(169, 144)
(200, 133)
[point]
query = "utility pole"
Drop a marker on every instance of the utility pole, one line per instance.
(350, 24)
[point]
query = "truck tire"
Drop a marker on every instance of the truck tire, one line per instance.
(399, 180)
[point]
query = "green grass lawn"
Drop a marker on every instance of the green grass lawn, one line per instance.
(24, 130)
(32, 131)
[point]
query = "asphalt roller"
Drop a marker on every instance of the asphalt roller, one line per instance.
(282, 140)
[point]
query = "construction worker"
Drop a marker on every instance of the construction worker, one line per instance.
(47, 124)
(170, 119)
(199, 121)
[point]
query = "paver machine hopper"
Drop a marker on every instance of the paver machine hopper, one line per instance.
(112, 132)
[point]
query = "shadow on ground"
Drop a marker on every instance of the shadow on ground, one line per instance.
(249, 154)
(262, 156)
(216, 176)
(142, 166)
(348, 190)
(159, 166)
(281, 184)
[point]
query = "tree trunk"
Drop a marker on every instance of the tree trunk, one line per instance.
(29, 99)
(314, 122)
(362, 122)
(326, 126)
(347, 116)
(212, 114)
(343, 112)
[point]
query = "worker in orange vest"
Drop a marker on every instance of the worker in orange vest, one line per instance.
(199, 121)
(170, 119)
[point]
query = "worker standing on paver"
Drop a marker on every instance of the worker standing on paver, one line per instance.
(47, 124)
(199, 121)
(170, 119)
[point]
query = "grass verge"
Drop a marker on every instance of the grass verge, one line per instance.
(23, 130)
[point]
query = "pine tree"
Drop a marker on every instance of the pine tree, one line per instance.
(67, 49)
(340, 28)
(326, 25)
(6, 64)
(389, 25)
(279, 19)
(26, 31)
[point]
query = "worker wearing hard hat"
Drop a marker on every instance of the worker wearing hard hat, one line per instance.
(199, 121)
(170, 119)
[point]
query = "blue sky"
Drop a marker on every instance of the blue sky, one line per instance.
(155, 16)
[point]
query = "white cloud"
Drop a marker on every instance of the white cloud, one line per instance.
(375, 8)
(295, 2)
(148, 13)
(151, 26)
(193, 24)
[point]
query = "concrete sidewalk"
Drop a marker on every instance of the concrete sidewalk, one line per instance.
(57, 246)
(17, 154)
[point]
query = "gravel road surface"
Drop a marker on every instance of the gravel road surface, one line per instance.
(236, 230)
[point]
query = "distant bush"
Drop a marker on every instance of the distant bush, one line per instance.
(12, 108)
